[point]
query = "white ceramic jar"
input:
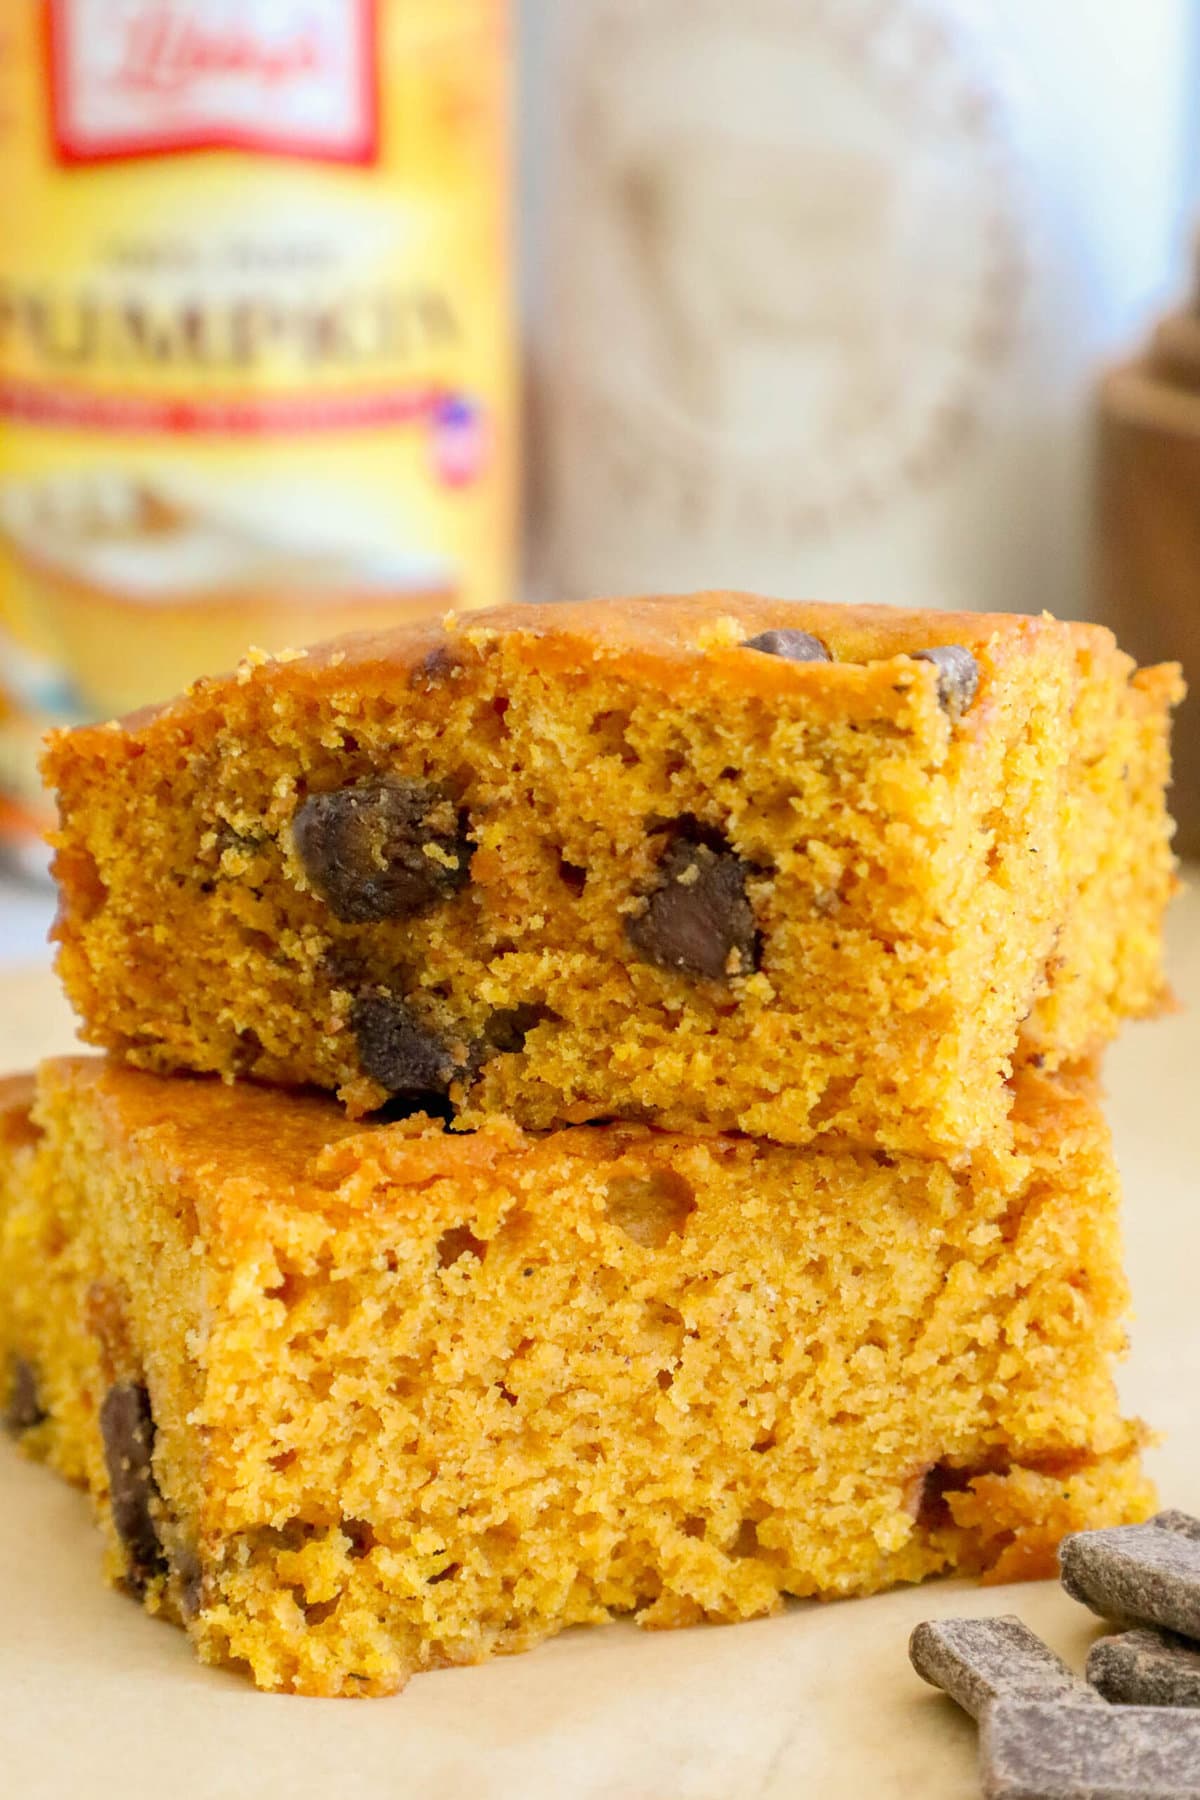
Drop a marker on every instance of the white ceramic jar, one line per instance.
(819, 286)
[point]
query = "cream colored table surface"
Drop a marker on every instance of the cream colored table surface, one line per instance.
(818, 1703)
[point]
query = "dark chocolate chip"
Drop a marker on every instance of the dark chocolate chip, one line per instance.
(697, 917)
(1146, 1668)
(977, 1661)
(397, 1050)
(958, 676)
(188, 1578)
(1139, 1574)
(127, 1429)
(383, 849)
(793, 646)
(23, 1408)
(1054, 1750)
(440, 663)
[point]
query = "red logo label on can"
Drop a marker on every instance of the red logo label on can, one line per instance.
(292, 78)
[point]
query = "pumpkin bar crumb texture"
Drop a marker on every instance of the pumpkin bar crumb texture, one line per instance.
(787, 869)
(354, 1401)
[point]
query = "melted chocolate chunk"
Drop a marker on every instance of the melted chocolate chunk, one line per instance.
(397, 1050)
(697, 918)
(188, 1577)
(23, 1408)
(127, 1429)
(793, 646)
(438, 665)
(383, 849)
(958, 676)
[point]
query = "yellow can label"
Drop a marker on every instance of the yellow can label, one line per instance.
(255, 342)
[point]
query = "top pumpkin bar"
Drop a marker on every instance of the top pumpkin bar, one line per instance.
(717, 861)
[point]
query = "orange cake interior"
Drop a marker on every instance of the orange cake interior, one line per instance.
(359, 1400)
(617, 859)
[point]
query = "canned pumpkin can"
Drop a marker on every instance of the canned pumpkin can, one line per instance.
(256, 371)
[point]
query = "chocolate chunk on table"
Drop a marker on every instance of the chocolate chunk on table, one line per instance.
(1142, 1574)
(1146, 1668)
(1183, 1524)
(1051, 1750)
(977, 1661)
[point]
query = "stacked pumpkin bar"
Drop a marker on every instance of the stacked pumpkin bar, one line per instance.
(719, 1206)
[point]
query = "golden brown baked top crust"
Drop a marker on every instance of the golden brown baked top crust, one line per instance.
(202, 1129)
(253, 1143)
(537, 861)
(671, 641)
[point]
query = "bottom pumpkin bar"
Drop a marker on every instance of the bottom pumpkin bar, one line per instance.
(358, 1400)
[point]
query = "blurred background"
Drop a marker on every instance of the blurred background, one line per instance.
(316, 313)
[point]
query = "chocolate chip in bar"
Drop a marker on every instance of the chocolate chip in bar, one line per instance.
(397, 1050)
(1052, 1750)
(438, 665)
(958, 676)
(382, 849)
(697, 918)
(977, 1661)
(23, 1408)
(127, 1431)
(1146, 1668)
(792, 646)
(187, 1580)
(1136, 1574)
